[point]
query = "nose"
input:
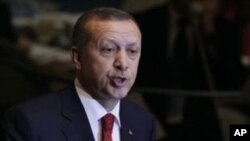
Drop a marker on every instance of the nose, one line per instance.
(121, 63)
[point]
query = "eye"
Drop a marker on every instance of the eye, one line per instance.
(108, 50)
(132, 52)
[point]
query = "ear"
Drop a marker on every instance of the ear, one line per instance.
(75, 57)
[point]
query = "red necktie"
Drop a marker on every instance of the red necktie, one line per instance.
(107, 126)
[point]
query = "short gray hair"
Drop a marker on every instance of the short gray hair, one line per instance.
(81, 35)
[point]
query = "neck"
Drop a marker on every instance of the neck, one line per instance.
(109, 105)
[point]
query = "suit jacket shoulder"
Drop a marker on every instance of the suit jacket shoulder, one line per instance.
(51, 117)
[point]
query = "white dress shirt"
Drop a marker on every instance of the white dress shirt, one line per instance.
(95, 111)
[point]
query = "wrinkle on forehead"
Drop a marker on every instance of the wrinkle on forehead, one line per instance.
(123, 27)
(119, 40)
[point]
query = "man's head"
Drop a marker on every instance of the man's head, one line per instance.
(106, 52)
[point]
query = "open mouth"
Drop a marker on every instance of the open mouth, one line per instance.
(118, 81)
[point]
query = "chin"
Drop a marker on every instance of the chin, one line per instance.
(120, 94)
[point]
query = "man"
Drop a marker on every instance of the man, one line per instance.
(106, 52)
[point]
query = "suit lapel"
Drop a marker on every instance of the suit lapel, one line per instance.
(127, 126)
(126, 133)
(77, 127)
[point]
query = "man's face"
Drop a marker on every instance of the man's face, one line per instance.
(108, 64)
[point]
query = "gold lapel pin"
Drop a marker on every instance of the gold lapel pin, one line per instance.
(130, 132)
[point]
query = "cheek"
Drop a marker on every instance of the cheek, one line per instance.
(101, 69)
(134, 69)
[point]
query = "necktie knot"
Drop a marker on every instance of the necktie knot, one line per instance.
(107, 127)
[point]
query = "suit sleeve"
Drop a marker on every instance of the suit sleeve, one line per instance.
(17, 127)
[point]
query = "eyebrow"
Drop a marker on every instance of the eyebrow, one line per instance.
(114, 42)
(132, 44)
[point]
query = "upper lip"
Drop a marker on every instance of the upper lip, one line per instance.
(118, 77)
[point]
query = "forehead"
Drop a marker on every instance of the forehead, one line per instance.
(122, 27)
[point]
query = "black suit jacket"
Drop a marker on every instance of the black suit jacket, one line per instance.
(61, 117)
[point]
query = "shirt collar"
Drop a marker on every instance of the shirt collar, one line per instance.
(94, 110)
